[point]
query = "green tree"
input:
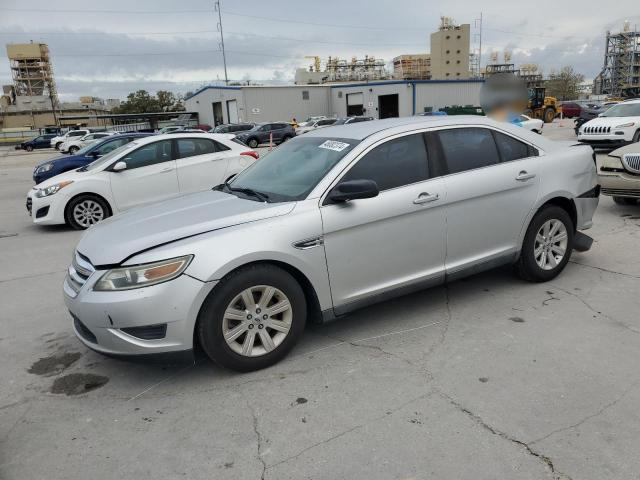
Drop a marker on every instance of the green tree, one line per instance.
(564, 84)
(142, 101)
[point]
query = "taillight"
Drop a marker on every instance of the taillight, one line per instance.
(251, 153)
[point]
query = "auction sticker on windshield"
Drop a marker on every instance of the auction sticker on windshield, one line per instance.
(333, 145)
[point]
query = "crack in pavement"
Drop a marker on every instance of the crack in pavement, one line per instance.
(597, 312)
(629, 275)
(259, 440)
(557, 475)
(26, 277)
(600, 411)
(387, 413)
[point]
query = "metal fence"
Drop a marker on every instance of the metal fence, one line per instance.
(13, 138)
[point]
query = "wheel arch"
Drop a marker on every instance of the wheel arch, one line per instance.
(314, 311)
(91, 194)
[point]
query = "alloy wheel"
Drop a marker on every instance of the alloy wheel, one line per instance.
(257, 320)
(550, 245)
(88, 212)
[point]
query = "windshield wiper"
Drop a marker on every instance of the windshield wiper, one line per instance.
(263, 197)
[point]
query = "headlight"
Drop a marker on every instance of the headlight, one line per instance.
(50, 190)
(44, 168)
(625, 125)
(139, 276)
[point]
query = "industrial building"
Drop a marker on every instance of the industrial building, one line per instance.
(397, 98)
(450, 48)
(620, 75)
(412, 67)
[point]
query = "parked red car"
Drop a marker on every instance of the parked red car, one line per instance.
(203, 126)
(571, 109)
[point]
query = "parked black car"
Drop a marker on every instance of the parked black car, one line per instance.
(262, 132)
(41, 141)
(232, 127)
(588, 111)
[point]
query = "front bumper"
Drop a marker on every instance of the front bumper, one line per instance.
(619, 184)
(614, 138)
(47, 210)
(103, 321)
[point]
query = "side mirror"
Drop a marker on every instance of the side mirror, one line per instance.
(599, 114)
(352, 190)
(119, 166)
(95, 154)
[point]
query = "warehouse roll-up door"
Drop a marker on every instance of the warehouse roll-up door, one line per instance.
(355, 104)
(232, 111)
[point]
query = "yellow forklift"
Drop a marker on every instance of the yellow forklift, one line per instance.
(540, 106)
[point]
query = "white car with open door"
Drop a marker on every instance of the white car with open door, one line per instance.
(144, 171)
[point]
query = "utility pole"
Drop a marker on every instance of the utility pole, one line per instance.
(224, 57)
(480, 49)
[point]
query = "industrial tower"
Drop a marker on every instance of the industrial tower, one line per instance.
(32, 71)
(620, 76)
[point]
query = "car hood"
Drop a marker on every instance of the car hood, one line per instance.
(632, 148)
(72, 175)
(608, 121)
(113, 240)
(57, 159)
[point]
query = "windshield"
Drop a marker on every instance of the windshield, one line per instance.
(86, 149)
(623, 110)
(341, 121)
(292, 170)
(110, 156)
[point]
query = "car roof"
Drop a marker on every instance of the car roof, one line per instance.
(361, 130)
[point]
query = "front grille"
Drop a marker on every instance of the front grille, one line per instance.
(596, 130)
(631, 161)
(83, 331)
(621, 192)
(79, 271)
(149, 332)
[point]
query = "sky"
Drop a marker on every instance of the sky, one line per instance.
(108, 49)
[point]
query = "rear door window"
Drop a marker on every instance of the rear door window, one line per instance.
(398, 162)
(468, 148)
(510, 148)
(190, 147)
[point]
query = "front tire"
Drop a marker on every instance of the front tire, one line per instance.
(73, 149)
(58, 145)
(636, 137)
(86, 210)
(547, 245)
(549, 115)
(29, 148)
(253, 318)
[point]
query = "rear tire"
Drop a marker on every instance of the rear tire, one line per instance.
(253, 143)
(244, 335)
(285, 138)
(73, 149)
(29, 148)
(625, 200)
(58, 145)
(547, 245)
(86, 210)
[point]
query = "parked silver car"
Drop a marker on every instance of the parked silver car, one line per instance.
(329, 222)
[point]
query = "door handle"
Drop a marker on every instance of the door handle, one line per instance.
(165, 170)
(523, 176)
(425, 197)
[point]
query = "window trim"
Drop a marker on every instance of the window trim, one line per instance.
(176, 150)
(320, 192)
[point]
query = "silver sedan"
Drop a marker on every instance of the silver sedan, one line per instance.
(329, 222)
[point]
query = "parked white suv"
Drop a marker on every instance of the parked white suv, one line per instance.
(144, 171)
(617, 126)
(56, 142)
(323, 122)
(73, 144)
